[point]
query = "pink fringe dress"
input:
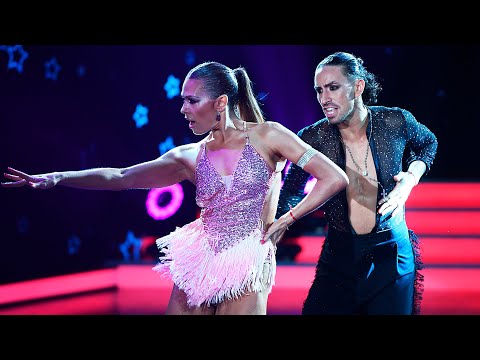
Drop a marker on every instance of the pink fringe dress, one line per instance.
(219, 255)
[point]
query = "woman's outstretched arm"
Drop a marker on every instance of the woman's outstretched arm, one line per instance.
(172, 167)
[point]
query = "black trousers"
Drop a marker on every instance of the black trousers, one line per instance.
(371, 274)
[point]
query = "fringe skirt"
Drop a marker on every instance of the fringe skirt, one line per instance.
(208, 278)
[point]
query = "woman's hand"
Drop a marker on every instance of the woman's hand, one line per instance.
(20, 179)
(275, 231)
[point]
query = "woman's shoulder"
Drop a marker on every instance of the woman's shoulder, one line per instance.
(190, 148)
(266, 127)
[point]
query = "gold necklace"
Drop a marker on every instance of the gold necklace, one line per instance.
(359, 169)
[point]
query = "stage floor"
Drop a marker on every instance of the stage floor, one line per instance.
(137, 290)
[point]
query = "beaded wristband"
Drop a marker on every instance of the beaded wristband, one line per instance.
(305, 158)
(414, 178)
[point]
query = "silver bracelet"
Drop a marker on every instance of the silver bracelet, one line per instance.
(305, 158)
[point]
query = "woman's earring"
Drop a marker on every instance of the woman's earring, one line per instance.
(218, 115)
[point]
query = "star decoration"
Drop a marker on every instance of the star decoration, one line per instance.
(81, 70)
(16, 57)
(172, 87)
(189, 57)
(133, 243)
(140, 116)
(73, 244)
(51, 69)
(166, 145)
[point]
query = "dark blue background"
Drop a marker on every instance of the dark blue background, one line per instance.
(78, 122)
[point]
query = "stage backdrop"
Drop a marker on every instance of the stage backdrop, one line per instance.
(83, 106)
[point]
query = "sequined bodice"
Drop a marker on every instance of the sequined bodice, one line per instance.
(229, 215)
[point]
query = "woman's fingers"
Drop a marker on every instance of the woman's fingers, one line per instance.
(18, 183)
(19, 178)
(273, 235)
(20, 174)
(12, 177)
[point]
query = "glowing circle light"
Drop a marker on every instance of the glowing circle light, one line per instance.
(163, 212)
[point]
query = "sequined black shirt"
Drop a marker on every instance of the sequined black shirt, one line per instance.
(397, 138)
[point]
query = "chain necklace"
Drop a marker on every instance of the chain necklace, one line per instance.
(359, 169)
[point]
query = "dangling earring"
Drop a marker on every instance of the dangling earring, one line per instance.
(218, 115)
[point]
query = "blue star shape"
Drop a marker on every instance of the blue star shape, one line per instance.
(189, 57)
(131, 242)
(81, 70)
(140, 116)
(172, 87)
(16, 57)
(166, 145)
(73, 244)
(51, 69)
